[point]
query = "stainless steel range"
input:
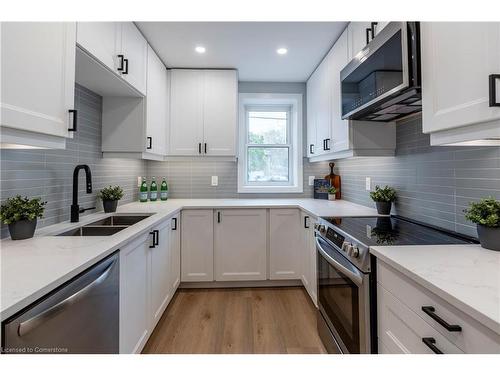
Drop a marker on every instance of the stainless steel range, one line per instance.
(346, 277)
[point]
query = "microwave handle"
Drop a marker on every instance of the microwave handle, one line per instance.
(355, 277)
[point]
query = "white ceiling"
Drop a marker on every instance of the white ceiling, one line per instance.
(249, 47)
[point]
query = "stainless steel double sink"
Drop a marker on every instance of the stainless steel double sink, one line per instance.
(107, 226)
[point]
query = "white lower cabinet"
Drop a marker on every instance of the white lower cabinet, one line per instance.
(240, 244)
(308, 256)
(134, 295)
(159, 259)
(197, 238)
(285, 239)
(403, 324)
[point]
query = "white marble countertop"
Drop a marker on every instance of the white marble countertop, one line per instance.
(31, 268)
(466, 276)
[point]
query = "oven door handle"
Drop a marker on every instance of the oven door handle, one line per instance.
(355, 277)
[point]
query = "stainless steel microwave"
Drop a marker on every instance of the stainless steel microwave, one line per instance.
(382, 82)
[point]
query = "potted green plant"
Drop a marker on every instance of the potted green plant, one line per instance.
(21, 215)
(110, 196)
(331, 193)
(383, 198)
(486, 215)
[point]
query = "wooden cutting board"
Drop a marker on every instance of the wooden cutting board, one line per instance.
(334, 180)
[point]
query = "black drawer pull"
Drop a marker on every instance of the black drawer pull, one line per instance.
(306, 222)
(218, 217)
(120, 68)
(205, 148)
(199, 148)
(154, 239)
(125, 70)
(74, 112)
(150, 143)
(157, 237)
(431, 311)
(493, 90)
(311, 148)
(174, 227)
(429, 342)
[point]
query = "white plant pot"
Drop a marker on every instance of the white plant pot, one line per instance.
(331, 197)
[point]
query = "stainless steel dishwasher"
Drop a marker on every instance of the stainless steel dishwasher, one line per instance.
(81, 316)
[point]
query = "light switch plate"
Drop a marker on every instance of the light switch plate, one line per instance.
(368, 184)
(311, 180)
(215, 180)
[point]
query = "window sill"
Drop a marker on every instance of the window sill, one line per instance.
(270, 189)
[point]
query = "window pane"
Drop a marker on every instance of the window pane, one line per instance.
(267, 164)
(267, 127)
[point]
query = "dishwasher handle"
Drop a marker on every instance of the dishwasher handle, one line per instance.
(31, 323)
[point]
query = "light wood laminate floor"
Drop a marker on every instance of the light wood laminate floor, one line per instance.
(249, 320)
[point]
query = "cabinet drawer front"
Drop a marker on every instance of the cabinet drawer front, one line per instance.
(473, 338)
(401, 331)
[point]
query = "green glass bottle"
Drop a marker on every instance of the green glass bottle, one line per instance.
(163, 190)
(143, 191)
(153, 190)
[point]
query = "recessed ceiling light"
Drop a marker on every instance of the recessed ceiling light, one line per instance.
(200, 49)
(281, 51)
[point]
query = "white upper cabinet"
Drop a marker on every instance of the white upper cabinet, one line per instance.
(197, 254)
(102, 40)
(340, 128)
(38, 79)
(312, 88)
(455, 78)
(186, 114)
(134, 49)
(285, 231)
(359, 36)
(203, 116)
(220, 112)
(157, 102)
(324, 106)
(240, 244)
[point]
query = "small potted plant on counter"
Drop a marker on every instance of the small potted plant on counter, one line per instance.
(486, 214)
(21, 215)
(383, 198)
(110, 196)
(331, 193)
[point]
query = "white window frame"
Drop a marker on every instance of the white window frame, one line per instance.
(259, 101)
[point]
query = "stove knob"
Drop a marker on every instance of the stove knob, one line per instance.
(321, 228)
(353, 251)
(345, 245)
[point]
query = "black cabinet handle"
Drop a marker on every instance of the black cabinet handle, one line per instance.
(311, 148)
(154, 239)
(74, 112)
(120, 68)
(493, 90)
(218, 216)
(430, 310)
(150, 143)
(205, 148)
(199, 148)
(306, 224)
(368, 31)
(429, 342)
(125, 69)
(327, 144)
(374, 25)
(174, 227)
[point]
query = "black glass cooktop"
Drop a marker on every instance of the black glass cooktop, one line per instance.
(388, 231)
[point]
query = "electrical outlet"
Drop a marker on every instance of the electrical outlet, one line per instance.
(311, 180)
(139, 181)
(368, 184)
(215, 180)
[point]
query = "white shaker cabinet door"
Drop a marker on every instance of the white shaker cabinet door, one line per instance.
(186, 112)
(134, 295)
(457, 60)
(285, 239)
(220, 112)
(175, 253)
(160, 257)
(197, 241)
(102, 40)
(134, 49)
(312, 88)
(156, 105)
(240, 244)
(38, 76)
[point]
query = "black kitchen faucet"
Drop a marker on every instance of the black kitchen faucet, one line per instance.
(75, 209)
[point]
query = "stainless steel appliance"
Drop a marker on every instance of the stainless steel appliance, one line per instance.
(346, 274)
(81, 316)
(382, 82)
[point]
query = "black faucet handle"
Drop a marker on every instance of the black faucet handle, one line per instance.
(82, 210)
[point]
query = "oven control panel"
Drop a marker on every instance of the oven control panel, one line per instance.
(335, 237)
